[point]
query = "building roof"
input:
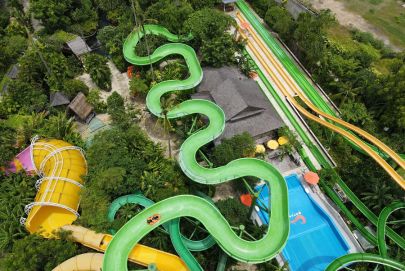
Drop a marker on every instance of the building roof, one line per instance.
(246, 107)
(78, 46)
(81, 107)
(13, 72)
(228, 1)
(58, 98)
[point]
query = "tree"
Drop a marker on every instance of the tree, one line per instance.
(219, 51)
(280, 20)
(197, 4)
(53, 14)
(310, 35)
(238, 146)
(72, 87)
(7, 141)
(33, 253)
(138, 86)
(234, 211)
(96, 66)
(378, 197)
(170, 14)
(206, 24)
(94, 98)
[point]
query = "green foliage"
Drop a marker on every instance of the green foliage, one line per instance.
(170, 14)
(219, 51)
(207, 24)
(11, 47)
(280, 20)
(96, 66)
(234, 211)
(198, 4)
(7, 141)
(115, 102)
(53, 14)
(77, 16)
(138, 86)
(121, 161)
(233, 148)
(310, 35)
(94, 98)
(149, 42)
(17, 190)
(22, 97)
(33, 253)
(73, 86)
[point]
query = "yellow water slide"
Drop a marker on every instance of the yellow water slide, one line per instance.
(61, 167)
(265, 61)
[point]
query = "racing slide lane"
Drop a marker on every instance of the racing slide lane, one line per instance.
(186, 205)
(370, 215)
(300, 79)
(364, 146)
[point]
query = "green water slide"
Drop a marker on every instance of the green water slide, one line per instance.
(319, 102)
(191, 206)
(182, 245)
(382, 246)
(295, 72)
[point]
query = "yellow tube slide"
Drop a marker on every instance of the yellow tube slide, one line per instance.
(82, 262)
(140, 254)
(61, 167)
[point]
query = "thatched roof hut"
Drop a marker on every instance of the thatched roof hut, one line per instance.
(82, 109)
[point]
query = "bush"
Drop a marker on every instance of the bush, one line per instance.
(96, 66)
(233, 148)
(219, 51)
(94, 98)
(73, 86)
(138, 86)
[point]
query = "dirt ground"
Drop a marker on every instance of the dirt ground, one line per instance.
(348, 18)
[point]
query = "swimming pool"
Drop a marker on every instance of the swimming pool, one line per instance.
(314, 241)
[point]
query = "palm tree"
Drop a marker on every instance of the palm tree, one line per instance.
(167, 104)
(379, 196)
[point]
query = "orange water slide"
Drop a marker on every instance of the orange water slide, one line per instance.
(329, 125)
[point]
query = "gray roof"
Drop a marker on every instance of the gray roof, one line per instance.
(228, 1)
(246, 107)
(58, 98)
(81, 107)
(78, 46)
(13, 72)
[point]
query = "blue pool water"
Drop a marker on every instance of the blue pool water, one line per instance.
(314, 241)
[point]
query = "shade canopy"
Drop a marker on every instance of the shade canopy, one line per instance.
(311, 177)
(260, 149)
(282, 140)
(272, 144)
(246, 199)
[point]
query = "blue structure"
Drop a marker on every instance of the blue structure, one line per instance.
(314, 240)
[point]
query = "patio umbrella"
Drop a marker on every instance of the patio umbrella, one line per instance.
(282, 140)
(272, 144)
(260, 149)
(311, 177)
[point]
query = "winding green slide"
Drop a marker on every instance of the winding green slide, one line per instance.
(182, 245)
(380, 222)
(295, 72)
(321, 104)
(187, 205)
(382, 246)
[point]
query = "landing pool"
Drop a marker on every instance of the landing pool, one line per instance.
(314, 241)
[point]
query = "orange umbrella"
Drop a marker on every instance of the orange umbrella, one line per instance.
(246, 199)
(311, 177)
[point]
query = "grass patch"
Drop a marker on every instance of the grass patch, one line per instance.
(387, 15)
